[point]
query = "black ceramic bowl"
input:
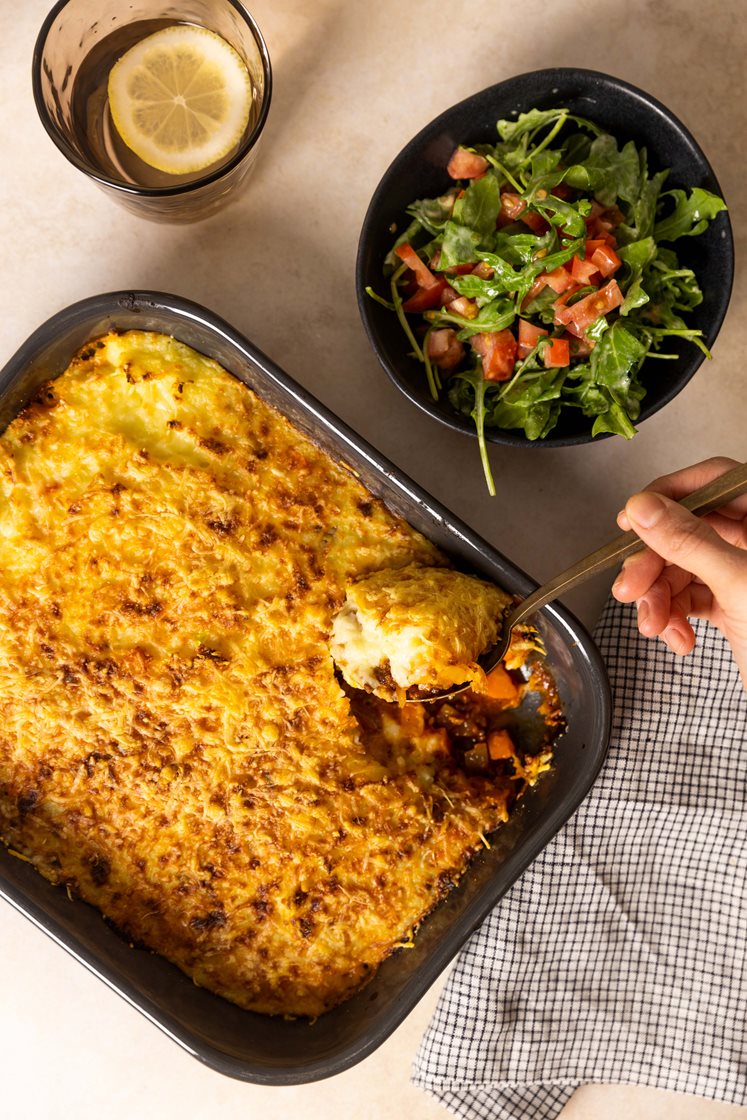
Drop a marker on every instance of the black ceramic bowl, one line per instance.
(419, 171)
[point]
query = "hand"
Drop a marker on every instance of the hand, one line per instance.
(694, 567)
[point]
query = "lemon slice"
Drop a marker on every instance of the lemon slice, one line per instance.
(180, 98)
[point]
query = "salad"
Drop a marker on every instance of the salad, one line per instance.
(542, 279)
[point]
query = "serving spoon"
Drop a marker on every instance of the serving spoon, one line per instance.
(704, 500)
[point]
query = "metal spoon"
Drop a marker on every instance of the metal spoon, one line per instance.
(710, 497)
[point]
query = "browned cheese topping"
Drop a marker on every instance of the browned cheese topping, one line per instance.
(175, 745)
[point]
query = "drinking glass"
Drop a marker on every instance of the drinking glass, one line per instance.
(76, 47)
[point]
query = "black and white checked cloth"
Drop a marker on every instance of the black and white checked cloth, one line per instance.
(621, 954)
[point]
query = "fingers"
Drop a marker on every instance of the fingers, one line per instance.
(682, 539)
(681, 483)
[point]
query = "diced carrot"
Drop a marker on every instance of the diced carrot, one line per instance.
(500, 745)
(501, 685)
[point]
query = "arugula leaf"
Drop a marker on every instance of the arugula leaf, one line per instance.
(433, 213)
(615, 358)
(531, 402)
(690, 215)
(521, 248)
(459, 245)
(473, 403)
(480, 206)
(615, 420)
(639, 221)
(608, 172)
(637, 256)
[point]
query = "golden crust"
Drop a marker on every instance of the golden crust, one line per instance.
(175, 745)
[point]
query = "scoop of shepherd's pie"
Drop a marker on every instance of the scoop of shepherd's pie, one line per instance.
(415, 627)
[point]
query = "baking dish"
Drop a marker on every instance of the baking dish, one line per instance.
(236, 1042)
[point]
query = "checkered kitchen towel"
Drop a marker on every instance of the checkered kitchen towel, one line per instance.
(621, 954)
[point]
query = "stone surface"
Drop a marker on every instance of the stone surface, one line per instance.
(353, 82)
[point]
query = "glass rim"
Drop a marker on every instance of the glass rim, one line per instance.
(74, 157)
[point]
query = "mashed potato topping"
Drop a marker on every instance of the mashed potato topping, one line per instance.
(176, 746)
(415, 627)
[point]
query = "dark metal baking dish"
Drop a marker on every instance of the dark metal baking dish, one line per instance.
(240, 1043)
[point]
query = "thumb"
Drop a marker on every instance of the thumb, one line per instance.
(681, 538)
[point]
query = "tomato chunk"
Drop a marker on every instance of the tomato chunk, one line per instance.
(606, 260)
(584, 272)
(466, 165)
(560, 279)
(464, 306)
(579, 316)
(498, 352)
(425, 299)
(529, 336)
(425, 278)
(444, 348)
(558, 353)
(514, 208)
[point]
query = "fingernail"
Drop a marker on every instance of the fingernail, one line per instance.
(642, 612)
(645, 509)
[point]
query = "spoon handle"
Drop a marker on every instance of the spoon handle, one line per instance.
(710, 497)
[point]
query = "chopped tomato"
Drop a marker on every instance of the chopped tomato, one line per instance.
(560, 279)
(466, 165)
(579, 316)
(423, 274)
(536, 222)
(584, 271)
(558, 353)
(601, 222)
(464, 306)
(579, 347)
(514, 208)
(483, 270)
(498, 352)
(606, 260)
(500, 745)
(533, 292)
(529, 336)
(445, 349)
(561, 190)
(425, 299)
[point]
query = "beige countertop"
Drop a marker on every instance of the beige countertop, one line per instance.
(353, 82)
